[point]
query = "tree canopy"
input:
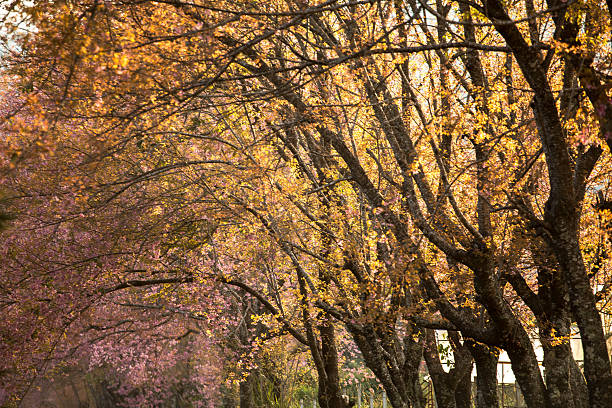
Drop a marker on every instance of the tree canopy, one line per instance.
(304, 174)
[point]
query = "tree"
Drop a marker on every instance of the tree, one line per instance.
(413, 165)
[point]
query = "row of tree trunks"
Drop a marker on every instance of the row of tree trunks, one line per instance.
(513, 336)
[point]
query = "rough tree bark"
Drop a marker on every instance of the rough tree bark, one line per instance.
(486, 359)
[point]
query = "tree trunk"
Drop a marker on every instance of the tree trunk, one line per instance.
(583, 304)
(461, 373)
(486, 359)
(329, 394)
(463, 391)
(413, 354)
(554, 321)
(514, 339)
(444, 387)
(579, 388)
(324, 354)
(399, 381)
(527, 373)
(246, 392)
(556, 364)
